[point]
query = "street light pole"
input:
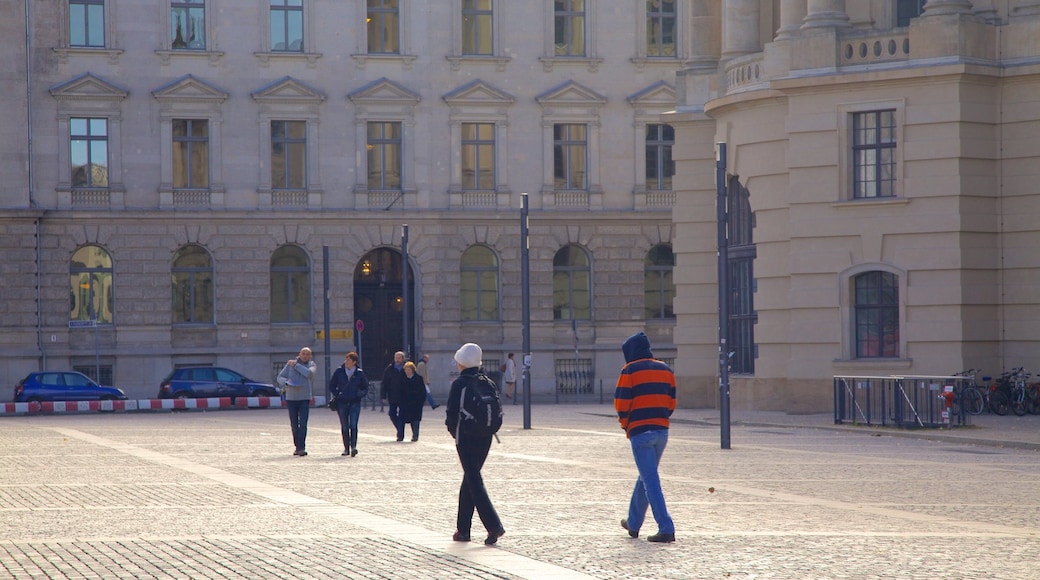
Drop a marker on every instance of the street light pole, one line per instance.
(722, 225)
(525, 290)
(404, 293)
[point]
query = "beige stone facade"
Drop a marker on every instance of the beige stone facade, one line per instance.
(226, 73)
(953, 229)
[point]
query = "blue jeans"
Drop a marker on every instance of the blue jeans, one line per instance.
(349, 412)
(429, 399)
(299, 412)
(647, 448)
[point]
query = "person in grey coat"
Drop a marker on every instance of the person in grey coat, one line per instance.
(295, 380)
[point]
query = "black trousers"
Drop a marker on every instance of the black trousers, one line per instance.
(473, 451)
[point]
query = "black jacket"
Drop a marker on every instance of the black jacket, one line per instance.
(393, 381)
(451, 419)
(413, 397)
(350, 390)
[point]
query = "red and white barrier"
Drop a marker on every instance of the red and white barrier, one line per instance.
(147, 405)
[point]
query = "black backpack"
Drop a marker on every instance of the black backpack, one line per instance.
(480, 410)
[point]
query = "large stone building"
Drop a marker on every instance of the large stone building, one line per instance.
(882, 163)
(175, 169)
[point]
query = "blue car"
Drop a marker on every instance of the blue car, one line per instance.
(63, 386)
(203, 382)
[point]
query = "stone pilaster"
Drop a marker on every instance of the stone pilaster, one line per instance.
(826, 14)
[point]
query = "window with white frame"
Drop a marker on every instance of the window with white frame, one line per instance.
(287, 25)
(478, 284)
(88, 153)
(89, 113)
(188, 24)
(190, 154)
(87, 23)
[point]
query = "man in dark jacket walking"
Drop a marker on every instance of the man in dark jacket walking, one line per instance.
(473, 451)
(390, 391)
(644, 401)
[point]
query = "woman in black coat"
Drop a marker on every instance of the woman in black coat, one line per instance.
(413, 396)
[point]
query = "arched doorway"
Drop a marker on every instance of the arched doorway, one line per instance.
(379, 305)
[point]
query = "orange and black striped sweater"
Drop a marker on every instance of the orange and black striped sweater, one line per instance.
(645, 396)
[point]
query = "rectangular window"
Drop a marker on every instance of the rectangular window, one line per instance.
(476, 27)
(569, 156)
(569, 27)
(287, 25)
(478, 156)
(87, 23)
(288, 154)
(89, 152)
(384, 36)
(384, 156)
(907, 9)
(188, 24)
(659, 165)
(742, 316)
(190, 153)
(660, 28)
(874, 148)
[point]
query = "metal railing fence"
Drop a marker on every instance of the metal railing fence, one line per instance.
(901, 401)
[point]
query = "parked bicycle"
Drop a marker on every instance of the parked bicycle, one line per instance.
(1008, 392)
(972, 397)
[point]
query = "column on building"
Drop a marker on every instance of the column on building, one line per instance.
(740, 28)
(704, 30)
(940, 7)
(792, 14)
(826, 13)
(985, 10)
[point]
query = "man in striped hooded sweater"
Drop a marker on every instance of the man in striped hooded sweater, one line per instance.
(644, 400)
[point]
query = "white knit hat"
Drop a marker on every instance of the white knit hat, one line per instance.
(469, 355)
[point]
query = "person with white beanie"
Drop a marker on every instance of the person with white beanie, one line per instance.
(473, 451)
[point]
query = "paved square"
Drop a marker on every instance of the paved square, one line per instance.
(218, 494)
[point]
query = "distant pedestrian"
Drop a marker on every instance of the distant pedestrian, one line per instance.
(295, 380)
(423, 369)
(413, 395)
(473, 451)
(510, 376)
(390, 391)
(644, 400)
(348, 387)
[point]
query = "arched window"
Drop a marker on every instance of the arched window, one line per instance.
(876, 302)
(290, 285)
(658, 286)
(572, 284)
(90, 282)
(192, 279)
(479, 284)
